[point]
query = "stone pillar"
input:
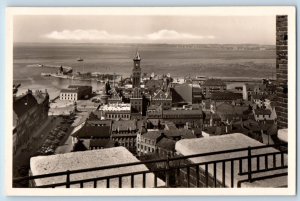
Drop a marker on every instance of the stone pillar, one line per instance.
(282, 70)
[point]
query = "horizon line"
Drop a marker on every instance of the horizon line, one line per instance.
(124, 43)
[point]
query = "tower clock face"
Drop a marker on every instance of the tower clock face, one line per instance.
(136, 64)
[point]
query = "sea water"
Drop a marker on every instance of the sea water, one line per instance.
(179, 61)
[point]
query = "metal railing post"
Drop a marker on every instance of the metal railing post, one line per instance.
(167, 172)
(68, 179)
(249, 165)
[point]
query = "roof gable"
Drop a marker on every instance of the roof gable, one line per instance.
(23, 104)
(161, 95)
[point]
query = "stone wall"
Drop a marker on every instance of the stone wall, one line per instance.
(281, 70)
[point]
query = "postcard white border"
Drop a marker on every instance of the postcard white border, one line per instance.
(178, 11)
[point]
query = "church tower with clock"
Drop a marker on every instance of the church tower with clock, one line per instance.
(136, 71)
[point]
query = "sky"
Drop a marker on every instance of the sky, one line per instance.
(145, 29)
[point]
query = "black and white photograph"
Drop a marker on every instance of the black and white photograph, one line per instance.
(141, 101)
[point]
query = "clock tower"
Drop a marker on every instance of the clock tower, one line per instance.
(136, 71)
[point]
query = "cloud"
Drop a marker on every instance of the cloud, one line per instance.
(92, 35)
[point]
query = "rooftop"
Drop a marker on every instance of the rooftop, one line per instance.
(226, 108)
(24, 103)
(124, 125)
(75, 88)
(89, 159)
(226, 142)
(283, 134)
(161, 95)
(116, 107)
(40, 96)
(182, 112)
(99, 122)
(184, 133)
(226, 95)
(152, 135)
(88, 131)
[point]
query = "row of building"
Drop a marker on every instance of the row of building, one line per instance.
(212, 107)
(30, 110)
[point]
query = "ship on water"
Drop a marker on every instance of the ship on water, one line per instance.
(80, 59)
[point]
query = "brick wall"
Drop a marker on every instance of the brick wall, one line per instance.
(281, 70)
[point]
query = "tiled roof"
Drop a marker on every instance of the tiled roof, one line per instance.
(178, 132)
(214, 82)
(226, 108)
(184, 133)
(95, 115)
(161, 95)
(182, 93)
(140, 124)
(23, 104)
(216, 130)
(182, 112)
(154, 83)
(152, 135)
(93, 131)
(114, 95)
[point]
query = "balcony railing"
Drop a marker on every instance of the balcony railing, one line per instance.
(173, 164)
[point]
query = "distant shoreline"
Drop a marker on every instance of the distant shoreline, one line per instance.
(98, 43)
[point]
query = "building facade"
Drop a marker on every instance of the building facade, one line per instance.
(179, 117)
(282, 70)
(146, 143)
(75, 92)
(29, 112)
(116, 111)
(124, 133)
(212, 85)
(136, 101)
